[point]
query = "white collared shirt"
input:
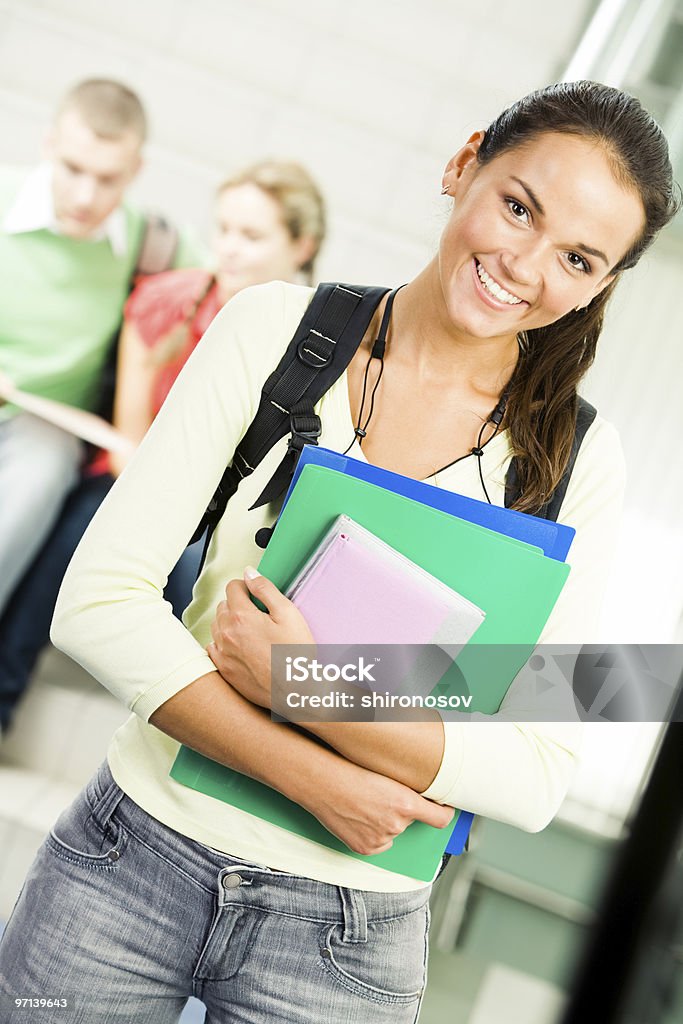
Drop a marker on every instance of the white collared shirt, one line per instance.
(33, 209)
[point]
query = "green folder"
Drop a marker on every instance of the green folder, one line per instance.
(513, 582)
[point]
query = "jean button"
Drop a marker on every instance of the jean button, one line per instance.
(232, 881)
(113, 855)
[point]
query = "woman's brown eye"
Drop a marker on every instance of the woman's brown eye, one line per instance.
(517, 209)
(576, 260)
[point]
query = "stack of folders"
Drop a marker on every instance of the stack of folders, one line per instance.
(355, 589)
(503, 569)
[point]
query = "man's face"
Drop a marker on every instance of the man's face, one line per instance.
(90, 173)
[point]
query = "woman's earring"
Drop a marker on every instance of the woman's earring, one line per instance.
(444, 190)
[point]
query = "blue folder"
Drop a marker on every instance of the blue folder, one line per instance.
(461, 830)
(554, 539)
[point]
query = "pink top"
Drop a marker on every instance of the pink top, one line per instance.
(158, 304)
(163, 302)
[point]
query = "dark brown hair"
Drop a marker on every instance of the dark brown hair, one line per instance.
(542, 396)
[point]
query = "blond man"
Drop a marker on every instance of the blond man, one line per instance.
(68, 246)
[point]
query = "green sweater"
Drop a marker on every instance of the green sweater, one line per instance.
(61, 301)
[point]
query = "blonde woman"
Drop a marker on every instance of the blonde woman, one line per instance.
(270, 224)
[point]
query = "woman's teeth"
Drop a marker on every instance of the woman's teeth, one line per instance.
(495, 289)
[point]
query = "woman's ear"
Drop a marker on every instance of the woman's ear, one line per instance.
(459, 164)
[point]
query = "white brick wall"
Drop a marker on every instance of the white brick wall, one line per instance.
(374, 95)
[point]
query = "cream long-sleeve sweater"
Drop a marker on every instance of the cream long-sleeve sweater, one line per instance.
(111, 616)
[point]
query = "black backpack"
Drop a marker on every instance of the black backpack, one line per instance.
(322, 347)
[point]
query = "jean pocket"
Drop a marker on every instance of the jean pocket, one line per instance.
(390, 967)
(88, 832)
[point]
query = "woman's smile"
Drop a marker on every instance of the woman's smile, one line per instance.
(492, 291)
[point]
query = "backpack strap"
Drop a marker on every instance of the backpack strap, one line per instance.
(156, 252)
(157, 249)
(322, 347)
(585, 415)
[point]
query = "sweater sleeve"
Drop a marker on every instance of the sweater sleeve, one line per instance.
(518, 771)
(110, 615)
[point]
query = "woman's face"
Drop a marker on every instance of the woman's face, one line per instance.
(532, 234)
(252, 245)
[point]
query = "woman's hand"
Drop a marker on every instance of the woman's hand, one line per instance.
(367, 810)
(243, 634)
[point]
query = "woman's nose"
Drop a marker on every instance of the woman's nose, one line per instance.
(228, 242)
(524, 264)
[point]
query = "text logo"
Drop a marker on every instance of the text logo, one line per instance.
(301, 670)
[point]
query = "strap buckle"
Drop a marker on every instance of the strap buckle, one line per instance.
(310, 354)
(305, 429)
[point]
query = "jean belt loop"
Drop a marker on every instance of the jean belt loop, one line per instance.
(107, 805)
(355, 915)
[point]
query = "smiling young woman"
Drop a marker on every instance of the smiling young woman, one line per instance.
(147, 891)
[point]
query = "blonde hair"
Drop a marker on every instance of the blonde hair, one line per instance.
(303, 214)
(297, 195)
(109, 108)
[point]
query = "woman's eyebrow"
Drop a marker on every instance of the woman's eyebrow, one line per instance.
(536, 203)
(592, 252)
(533, 198)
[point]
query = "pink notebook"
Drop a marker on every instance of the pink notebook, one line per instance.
(355, 589)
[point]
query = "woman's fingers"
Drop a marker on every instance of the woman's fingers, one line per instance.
(236, 595)
(277, 605)
(438, 815)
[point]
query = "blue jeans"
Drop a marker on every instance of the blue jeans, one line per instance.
(39, 464)
(127, 918)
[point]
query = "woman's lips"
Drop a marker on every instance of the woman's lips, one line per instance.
(490, 299)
